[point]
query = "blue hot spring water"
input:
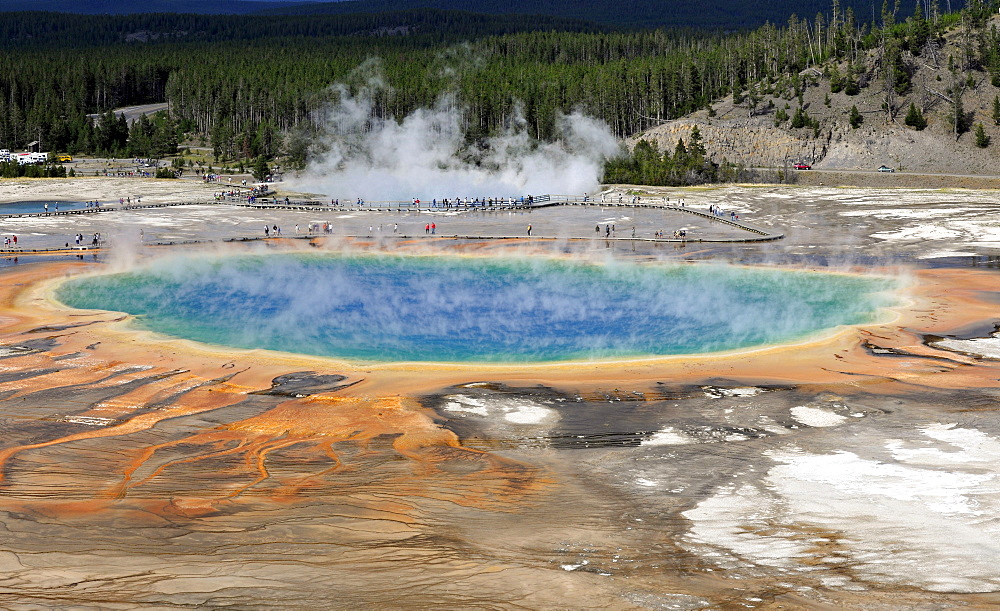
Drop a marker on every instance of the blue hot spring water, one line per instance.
(452, 308)
(38, 207)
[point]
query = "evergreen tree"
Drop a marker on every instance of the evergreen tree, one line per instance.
(996, 109)
(836, 80)
(695, 148)
(914, 118)
(855, 118)
(260, 169)
(959, 122)
(982, 140)
(800, 118)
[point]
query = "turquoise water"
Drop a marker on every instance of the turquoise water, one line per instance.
(38, 207)
(399, 308)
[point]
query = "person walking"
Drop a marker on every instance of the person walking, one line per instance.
(529, 231)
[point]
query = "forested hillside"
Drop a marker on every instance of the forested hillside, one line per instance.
(120, 7)
(641, 14)
(251, 87)
(414, 28)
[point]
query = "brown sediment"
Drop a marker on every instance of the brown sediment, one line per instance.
(376, 403)
(329, 433)
(943, 301)
(190, 440)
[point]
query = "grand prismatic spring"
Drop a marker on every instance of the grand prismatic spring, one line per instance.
(385, 308)
(564, 421)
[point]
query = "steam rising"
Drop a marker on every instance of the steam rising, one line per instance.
(425, 155)
(382, 308)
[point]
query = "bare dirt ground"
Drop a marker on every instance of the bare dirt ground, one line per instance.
(733, 134)
(107, 190)
(855, 471)
(896, 180)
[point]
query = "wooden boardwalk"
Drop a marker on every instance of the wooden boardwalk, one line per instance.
(754, 234)
(541, 201)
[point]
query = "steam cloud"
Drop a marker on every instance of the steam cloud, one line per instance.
(459, 309)
(425, 156)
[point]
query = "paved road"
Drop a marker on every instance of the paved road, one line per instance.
(900, 172)
(132, 113)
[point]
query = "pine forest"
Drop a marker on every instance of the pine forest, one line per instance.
(251, 87)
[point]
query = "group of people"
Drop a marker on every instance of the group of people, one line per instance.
(609, 230)
(327, 228)
(429, 229)
(608, 198)
(476, 201)
(9, 242)
(124, 202)
(96, 240)
(250, 196)
(634, 199)
(311, 228)
(468, 202)
(458, 202)
(719, 212)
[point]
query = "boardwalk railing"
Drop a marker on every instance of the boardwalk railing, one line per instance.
(385, 205)
(463, 205)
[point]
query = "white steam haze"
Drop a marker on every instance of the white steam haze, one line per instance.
(425, 155)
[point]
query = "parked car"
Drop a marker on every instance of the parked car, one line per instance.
(803, 166)
(885, 168)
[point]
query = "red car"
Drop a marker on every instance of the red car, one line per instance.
(803, 166)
